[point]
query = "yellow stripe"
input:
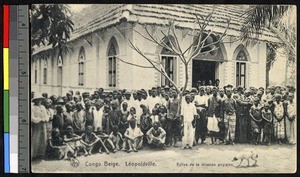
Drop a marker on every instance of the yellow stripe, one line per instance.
(6, 68)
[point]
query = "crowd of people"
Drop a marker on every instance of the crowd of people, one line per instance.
(106, 122)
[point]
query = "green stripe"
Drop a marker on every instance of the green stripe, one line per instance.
(6, 111)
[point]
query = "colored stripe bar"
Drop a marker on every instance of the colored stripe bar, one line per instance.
(6, 153)
(6, 111)
(6, 68)
(5, 26)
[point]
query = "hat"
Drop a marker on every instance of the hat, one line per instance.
(201, 88)
(229, 86)
(85, 94)
(38, 98)
(214, 88)
(261, 88)
(60, 101)
(167, 87)
(277, 96)
(239, 88)
(247, 91)
(69, 128)
(194, 90)
(259, 92)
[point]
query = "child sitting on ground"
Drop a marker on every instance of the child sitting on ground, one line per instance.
(133, 137)
(89, 140)
(57, 148)
(104, 141)
(73, 140)
(156, 136)
(116, 138)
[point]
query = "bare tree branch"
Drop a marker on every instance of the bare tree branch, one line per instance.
(133, 64)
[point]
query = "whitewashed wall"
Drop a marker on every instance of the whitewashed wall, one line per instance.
(131, 77)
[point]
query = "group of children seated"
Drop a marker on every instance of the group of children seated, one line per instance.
(71, 145)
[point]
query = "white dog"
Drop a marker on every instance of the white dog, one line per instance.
(246, 156)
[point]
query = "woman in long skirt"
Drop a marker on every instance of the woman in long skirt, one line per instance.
(39, 119)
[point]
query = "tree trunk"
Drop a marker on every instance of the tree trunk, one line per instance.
(184, 88)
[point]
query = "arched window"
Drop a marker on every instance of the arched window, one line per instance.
(112, 65)
(168, 59)
(241, 60)
(81, 60)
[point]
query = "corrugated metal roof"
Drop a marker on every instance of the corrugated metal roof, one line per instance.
(99, 16)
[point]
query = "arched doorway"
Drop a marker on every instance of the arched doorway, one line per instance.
(205, 65)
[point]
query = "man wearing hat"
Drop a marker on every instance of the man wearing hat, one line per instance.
(188, 113)
(201, 121)
(39, 119)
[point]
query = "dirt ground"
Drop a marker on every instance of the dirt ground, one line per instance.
(201, 159)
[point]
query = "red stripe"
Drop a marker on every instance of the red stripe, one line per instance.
(5, 26)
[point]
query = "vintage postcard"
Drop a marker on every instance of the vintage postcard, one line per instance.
(163, 88)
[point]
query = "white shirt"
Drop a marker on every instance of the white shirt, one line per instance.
(154, 118)
(200, 100)
(133, 132)
(188, 111)
(98, 118)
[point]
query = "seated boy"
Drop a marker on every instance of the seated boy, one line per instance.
(156, 136)
(89, 139)
(133, 137)
(116, 138)
(73, 140)
(104, 141)
(57, 148)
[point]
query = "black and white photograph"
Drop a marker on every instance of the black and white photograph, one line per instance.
(163, 88)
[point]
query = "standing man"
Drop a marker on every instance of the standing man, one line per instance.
(201, 121)
(229, 106)
(213, 114)
(189, 113)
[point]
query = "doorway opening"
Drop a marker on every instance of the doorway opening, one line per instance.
(203, 71)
